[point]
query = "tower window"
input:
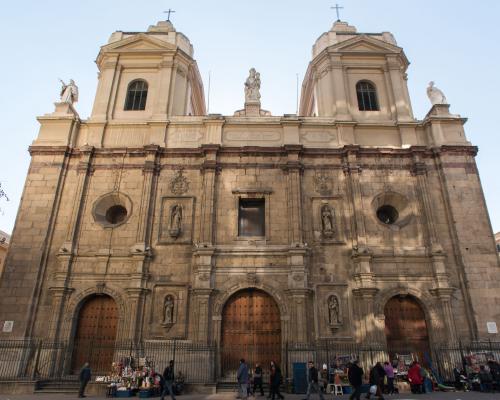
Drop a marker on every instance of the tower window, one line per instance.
(251, 217)
(367, 96)
(137, 92)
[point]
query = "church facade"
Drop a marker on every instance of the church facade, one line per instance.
(352, 222)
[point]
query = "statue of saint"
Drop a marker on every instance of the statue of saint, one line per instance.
(69, 92)
(327, 220)
(175, 220)
(168, 310)
(333, 310)
(252, 86)
(435, 95)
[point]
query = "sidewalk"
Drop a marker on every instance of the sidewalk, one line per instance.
(231, 396)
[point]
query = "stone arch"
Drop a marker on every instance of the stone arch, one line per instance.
(277, 295)
(426, 302)
(78, 300)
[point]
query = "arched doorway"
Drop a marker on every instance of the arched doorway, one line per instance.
(95, 334)
(251, 329)
(406, 328)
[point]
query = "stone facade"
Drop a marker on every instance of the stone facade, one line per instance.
(332, 166)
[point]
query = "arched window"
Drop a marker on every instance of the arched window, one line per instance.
(137, 94)
(367, 96)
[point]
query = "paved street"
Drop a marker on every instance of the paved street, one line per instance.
(230, 396)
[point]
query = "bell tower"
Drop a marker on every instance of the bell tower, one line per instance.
(357, 77)
(147, 76)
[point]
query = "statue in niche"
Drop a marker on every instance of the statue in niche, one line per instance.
(333, 310)
(69, 92)
(252, 87)
(168, 310)
(175, 221)
(435, 95)
(327, 221)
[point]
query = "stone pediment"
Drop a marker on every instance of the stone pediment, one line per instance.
(139, 42)
(366, 44)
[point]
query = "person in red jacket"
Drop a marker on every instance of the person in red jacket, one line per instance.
(415, 377)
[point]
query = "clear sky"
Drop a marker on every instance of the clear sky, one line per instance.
(453, 42)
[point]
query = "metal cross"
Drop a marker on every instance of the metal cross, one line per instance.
(168, 12)
(337, 8)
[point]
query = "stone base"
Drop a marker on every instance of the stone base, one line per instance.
(17, 387)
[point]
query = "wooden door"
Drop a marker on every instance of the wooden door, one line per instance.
(96, 334)
(406, 328)
(251, 329)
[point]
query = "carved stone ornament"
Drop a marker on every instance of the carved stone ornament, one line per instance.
(327, 221)
(436, 96)
(251, 278)
(323, 184)
(179, 183)
(168, 312)
(334, 317)
(175, 223)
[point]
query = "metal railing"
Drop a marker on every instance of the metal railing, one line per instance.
(207, 363)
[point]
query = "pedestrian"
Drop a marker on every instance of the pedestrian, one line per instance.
(84, 377)
(324, 378)
(377, 374)
(168, 381)
(242, 377)
(355, 376)
(485, 379)
(389, 372)
(275, 381)
(415, 378)
(257, 379)
(312, 381)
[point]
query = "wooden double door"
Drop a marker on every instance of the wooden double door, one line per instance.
(251, 329)
(406, 328)
(95, 334)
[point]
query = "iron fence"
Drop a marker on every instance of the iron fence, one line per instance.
(211, 363)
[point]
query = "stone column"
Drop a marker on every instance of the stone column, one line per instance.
(368, 331)
(164, 85)
(338, 80)
(444, 297)
(294, 169)
(396, 74)
(136, 297)
(353, 171)
(200, 327)
(300, 309)
(207, 217)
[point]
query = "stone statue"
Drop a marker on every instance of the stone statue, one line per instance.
(168, 310)
(252, 87)
(333, 310)
(327, 224)
(69, 92)
(435, 95)
(175, 220)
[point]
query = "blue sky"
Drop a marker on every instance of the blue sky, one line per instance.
(453, 42)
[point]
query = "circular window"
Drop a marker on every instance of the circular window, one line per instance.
(387, 214)
(112, 210)
(116, 214)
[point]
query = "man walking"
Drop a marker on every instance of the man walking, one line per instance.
(168, 379)
(84, 377)
(257, 380)
(312, 381)
(242, 376)
(355, 376)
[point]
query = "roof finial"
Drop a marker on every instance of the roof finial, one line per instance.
(337, 8)
(170, 11)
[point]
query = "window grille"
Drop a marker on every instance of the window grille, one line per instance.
(367, 96)
(137, 94)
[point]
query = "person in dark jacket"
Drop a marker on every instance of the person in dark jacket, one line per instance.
(377, 374)
(355, 376)
(312, 381)
(485, 379)
(168, 381)
(84, 378)
(242, 376)
(257, 379)
(275, 381)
